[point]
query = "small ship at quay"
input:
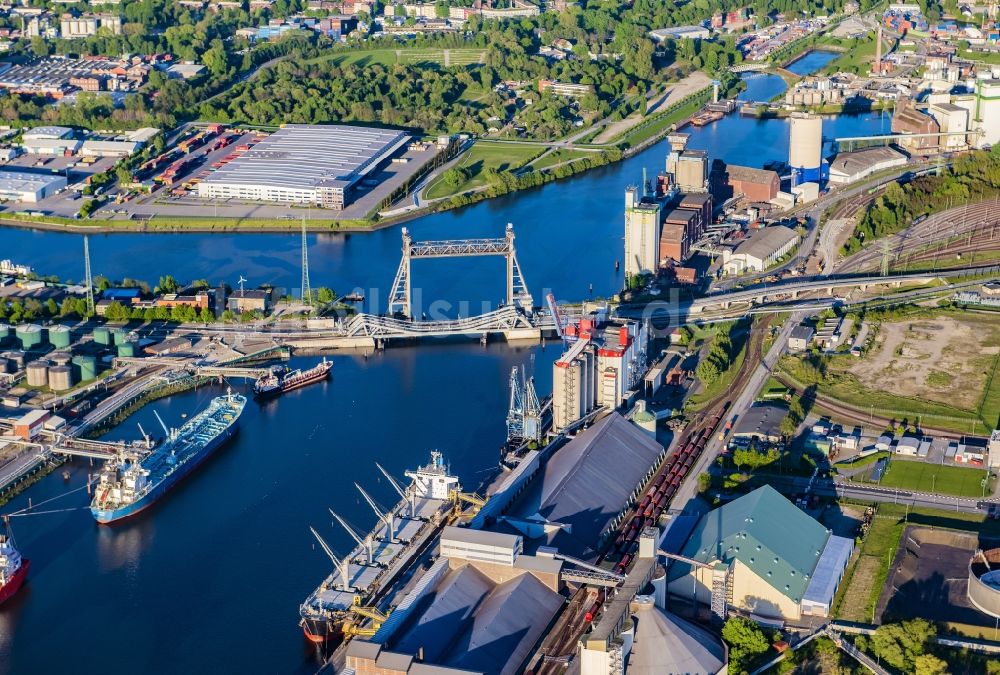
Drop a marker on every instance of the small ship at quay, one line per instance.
(13, 568)
(341, 601)
(136, 479)
(280, 380)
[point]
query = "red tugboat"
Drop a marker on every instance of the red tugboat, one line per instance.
(279, 380)
(13, 568)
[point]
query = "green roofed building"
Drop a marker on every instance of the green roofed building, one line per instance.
(763, 555)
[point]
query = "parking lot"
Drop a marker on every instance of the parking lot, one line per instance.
(362, 199)
(67, 202)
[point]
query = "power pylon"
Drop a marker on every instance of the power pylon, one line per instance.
(306, 288)
(88, 281)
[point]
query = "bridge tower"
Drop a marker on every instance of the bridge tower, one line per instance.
(400, 297)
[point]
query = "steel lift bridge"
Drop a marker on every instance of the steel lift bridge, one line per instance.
(518, 295)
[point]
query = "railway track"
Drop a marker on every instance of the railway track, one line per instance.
(560, 646)
(958, 221)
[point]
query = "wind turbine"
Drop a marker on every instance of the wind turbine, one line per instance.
(241, 282)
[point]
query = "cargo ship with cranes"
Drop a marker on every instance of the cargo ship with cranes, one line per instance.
(138, 478)
(280, 380)
(13, 567)
(336, 607)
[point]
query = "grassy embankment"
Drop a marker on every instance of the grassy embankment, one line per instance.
(481, 156)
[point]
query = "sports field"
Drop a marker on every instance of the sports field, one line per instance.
(920, 476)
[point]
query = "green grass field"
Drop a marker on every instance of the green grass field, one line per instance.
(482, 156)
(920, 476)
(558, 157)
(387, 57)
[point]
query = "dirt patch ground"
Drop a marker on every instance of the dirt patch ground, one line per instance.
(696, 81)
(942, 359)
(843, 520)
(929, 578)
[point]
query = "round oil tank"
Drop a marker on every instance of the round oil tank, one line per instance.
(60, 378)
(126, 349)
(30, 335)
(984, 581)
(118, 335)
(102, 336)
(60, 337)
(60, 358)
(86, 366)
(805, 145)
(17, 358)
(38, 373)
(5, 365)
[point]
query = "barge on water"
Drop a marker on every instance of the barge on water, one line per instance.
(280, 380)
(381, 556)
(136, 480)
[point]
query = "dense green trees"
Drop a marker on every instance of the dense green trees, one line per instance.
(746, 642)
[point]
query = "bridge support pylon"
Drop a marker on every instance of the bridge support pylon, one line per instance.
(400, 297)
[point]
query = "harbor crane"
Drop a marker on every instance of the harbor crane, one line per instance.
(524, 420)
(388, 517)
(407, 495)
(366, 543)
(343, 567)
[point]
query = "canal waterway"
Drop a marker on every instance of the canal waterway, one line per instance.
(210, 579)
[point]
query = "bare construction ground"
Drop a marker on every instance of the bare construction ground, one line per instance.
(941, 359)
(929, 578)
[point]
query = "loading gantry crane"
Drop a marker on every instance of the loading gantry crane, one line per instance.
(352, 626)
(458, 498)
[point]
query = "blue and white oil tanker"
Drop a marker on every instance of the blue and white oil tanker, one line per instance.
(134, 481)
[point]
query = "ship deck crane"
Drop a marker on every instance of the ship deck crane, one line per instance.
(388, 518)
(408, 495)
(366, 543)
(342, 566)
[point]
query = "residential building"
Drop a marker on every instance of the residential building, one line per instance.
(250, 301)
(565, 88)
(800, 338)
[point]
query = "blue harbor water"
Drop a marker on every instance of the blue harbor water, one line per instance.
(209, 580)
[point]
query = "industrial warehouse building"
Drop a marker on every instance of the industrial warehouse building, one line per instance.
(584, 488)
(761, 250)
(305, 164)
(467, 614)
(848, 167)
(23, 186)
(756, 185)
(761, 423)
(778, 562)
